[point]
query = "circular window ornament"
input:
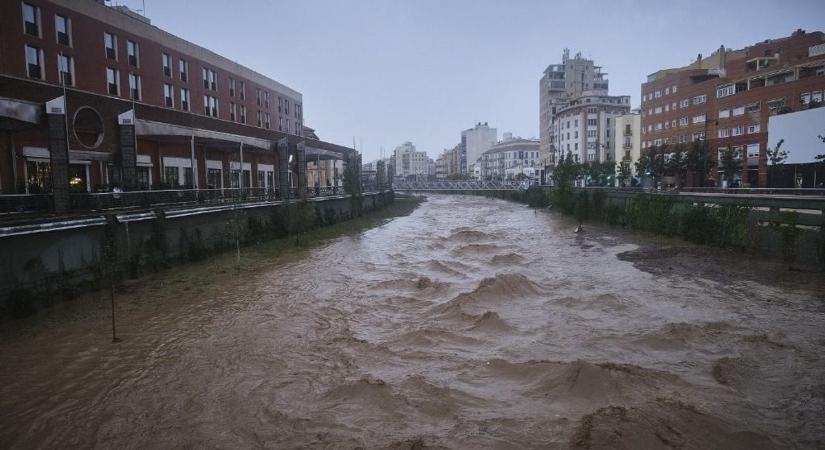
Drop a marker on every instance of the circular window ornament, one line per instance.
(87, 126)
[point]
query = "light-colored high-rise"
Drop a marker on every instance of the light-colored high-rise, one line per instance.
(409, 162)
(478, 140)
(578, 90)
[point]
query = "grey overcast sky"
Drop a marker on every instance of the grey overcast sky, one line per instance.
(388, 71)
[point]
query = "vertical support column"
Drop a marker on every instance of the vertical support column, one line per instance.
(301, 157)
(59, 153)
(240, 173)
(283, 168)
(192, 162)
(128, 150)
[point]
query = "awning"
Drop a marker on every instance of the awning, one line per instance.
(20, 110)
(152, 128)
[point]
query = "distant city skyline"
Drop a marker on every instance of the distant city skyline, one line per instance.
(423, 71)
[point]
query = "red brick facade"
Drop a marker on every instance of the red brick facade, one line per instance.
(764, 79)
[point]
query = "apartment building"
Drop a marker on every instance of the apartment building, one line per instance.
(576, 111)
(140, 107)
(477, 140)
(510, 158)
(627, 141)
(727, 98)
(411, 163)
(584, 127)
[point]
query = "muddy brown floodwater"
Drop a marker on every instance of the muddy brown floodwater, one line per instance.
(471, 323)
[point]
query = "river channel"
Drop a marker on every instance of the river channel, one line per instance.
(470, 323)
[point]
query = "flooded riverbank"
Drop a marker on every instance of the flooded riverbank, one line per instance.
(471, 323)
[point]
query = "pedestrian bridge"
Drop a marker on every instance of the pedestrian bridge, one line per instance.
(457, 185)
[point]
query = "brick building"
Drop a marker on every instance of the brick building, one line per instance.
(93, 96)
(726, 99)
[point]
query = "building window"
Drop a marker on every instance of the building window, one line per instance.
(31, 20)
(183, 67)
(286, 109)
(699, 99)
(266, 99)
(683, 121)
(298, 111)
(110, 42)
(724, 113)
(258, 96)
(753, 107)
(170, 175)
(166, 60)
(134, 86)
(210, 79)
(260, 119)
(210, 106)
(65, 66)
(34, 62)
(723, 132)
(243, 114)
(112, 81)
(233, 109)
(776, 104)
(280, 124)
(658, 110)
(674, 89)
(184, 99)
(132, 51)
(169, 95)
(739, 110)
(231, 87)
(753, 150)
(753, 128)
(736, 131)
(243, 90)
(266, 121)
(684, 103)
(725, 90)
(63, 29)
(280, 104)
(699, 118)
(657, 94)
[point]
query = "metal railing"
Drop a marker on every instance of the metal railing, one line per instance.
(16, 204)
(458, 185)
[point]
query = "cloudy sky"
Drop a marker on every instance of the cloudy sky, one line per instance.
(388, 71)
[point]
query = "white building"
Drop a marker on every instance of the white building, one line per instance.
(626, 140)
(509, 158)
(576, 113)
(584, 127)
(409, 162)
(478, 140)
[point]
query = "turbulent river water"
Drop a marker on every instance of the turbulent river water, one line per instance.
(471, 323)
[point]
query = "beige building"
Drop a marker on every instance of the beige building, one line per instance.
(627, 142)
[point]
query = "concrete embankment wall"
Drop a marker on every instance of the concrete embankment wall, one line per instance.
(788, 227)
(58, 259)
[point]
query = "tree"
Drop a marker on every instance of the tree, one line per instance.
(776, 155)
(677, 163)
(696, 160)
(565, 172)
(623, 172)
(730, 163)
(352, 180)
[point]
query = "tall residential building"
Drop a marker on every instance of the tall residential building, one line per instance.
(727, 98)
(626, 140)
(410, 162)
(560, 84)
(476, 141)
(576, 111)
